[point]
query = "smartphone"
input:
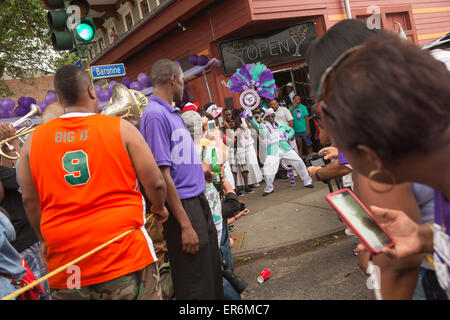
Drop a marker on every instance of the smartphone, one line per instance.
(211, 125)
(353, 213)
(318, 162)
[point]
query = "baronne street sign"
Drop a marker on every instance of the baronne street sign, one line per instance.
(271, 49)
(108, 71)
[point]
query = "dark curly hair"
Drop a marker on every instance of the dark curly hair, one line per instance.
(390, 96)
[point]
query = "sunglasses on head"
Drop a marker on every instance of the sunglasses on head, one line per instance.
(320, 104)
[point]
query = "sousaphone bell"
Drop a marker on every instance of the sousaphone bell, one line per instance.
(124, 103)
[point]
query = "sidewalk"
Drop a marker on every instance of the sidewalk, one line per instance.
(288, 216)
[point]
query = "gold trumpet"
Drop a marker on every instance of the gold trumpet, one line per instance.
(125, 103)
(35, 111)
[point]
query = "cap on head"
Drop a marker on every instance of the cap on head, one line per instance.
(268, 112)
(190, 106)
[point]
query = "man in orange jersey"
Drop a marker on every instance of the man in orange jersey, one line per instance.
(79, 176)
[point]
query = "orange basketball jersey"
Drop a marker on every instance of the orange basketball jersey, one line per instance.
(89, 194)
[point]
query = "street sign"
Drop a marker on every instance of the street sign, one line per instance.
(79, 64)
(108, 71)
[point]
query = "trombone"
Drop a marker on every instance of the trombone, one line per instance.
(35, 111)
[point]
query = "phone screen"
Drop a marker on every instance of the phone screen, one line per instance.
(211, 125)
(360, 220)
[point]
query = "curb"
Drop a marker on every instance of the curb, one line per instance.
(262, 252)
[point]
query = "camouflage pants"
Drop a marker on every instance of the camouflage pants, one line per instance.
(143, 284)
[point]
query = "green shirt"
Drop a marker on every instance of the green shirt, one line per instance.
(273, 148)
(300, 122)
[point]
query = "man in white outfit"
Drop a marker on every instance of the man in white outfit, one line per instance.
(276, 136)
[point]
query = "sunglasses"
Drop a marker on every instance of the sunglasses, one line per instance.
(320, 104)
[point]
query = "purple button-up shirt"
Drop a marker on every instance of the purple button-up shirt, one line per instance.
(171, 144)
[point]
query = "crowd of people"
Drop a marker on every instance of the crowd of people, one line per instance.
(381, 114)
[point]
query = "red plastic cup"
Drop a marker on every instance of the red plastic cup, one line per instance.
(264, 276)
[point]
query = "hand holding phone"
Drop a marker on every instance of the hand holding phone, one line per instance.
(360, 220)
(406, 232)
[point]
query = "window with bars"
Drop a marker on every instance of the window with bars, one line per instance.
(101, 44)
(145, 9)
(91, 53)
(128, 21)
(154, 4)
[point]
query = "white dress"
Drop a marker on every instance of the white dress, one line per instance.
(254, 171)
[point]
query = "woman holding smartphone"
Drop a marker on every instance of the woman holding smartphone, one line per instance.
(399, 276)
(399, 103)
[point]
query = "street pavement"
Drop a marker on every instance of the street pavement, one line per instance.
(297, 235)
(325, 269)
(290, 215)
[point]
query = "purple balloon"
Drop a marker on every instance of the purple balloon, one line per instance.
(143, 79)
(50, 97)
(21, 110)
(202, 60)
(10, 114)
(21, 101)
(135, 86)
(29, 101)
(10, 103)
(3, 111)
(104, 95)
(193, 59)
(7, 104)
(127, 81)
(198, 74)
(42, 105)
(97, 89)
(3, 104)
(112, 84)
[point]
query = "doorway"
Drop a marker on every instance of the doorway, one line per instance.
(282, 77)
(299, 76)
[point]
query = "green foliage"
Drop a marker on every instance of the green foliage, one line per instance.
(66, 58)
(25, 46)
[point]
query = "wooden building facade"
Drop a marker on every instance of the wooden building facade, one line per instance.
(249, 30)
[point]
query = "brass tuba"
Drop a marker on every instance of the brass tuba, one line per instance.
(125, 103)
(34, 111)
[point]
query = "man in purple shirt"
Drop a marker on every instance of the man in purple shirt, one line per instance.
(189, 232)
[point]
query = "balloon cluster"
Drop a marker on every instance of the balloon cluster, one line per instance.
(197, 60)
(9, 109)
(143, 81)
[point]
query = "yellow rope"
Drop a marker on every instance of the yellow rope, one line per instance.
(54, 272)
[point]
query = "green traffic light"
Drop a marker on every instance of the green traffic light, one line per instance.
(85, 31)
